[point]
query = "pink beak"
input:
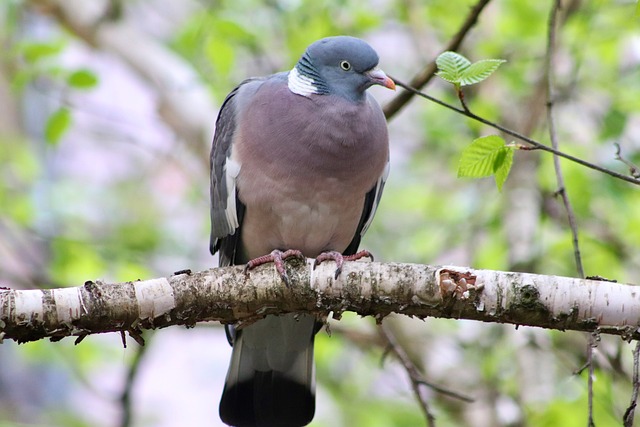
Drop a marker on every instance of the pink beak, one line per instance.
(378, 77)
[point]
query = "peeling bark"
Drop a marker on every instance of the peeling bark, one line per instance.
(369, 289)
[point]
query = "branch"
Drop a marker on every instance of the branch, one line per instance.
(425, 75)
(562, 189)
(591, 345)
(369, 289)
(126, 418)
(630, 412)
(634, 171)
(534, 144)
(553, 136)
(391, 344)
(412, 371)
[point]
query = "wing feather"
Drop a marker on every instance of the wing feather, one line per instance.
(225, 218)
(371, 202)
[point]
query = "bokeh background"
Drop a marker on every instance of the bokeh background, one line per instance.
(107, 110)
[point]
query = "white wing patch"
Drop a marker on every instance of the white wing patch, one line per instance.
(231, 171)
(299, 84)
(379, 188)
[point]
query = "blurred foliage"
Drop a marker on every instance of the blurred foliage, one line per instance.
(87, 193)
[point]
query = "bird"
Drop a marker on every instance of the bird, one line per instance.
(299, 161)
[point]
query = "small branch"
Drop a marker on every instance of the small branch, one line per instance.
(533, 142)
(461, 98)
(447, 392)
(365, 341)
(630, 412)
(581, 369)
(562, 189)
(125, 399)
(592, 344)
(426, 74)
(412, 371)
(634, 171)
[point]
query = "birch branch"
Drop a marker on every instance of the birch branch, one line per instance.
(369, 289)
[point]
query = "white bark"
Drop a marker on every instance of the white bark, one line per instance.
(228, 295)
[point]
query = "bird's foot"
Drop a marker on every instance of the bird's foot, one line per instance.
(277, 257)
(340, 259)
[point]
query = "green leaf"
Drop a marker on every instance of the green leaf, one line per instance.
(502, 165)
(232, 31)
(221, 54)
(451, 66)
(458, 70)
(613, 123)
(34, 51)
(57, 124)
(486, 156)
(478, 158)
(478, 71)
(82, 79)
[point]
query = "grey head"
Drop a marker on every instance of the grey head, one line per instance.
(342, 65)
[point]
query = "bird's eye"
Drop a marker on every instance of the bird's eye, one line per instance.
(345, 65)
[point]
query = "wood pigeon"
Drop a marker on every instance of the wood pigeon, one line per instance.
(298, 164)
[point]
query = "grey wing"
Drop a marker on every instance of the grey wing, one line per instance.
(227, 210)
(371, 202)
(225, 207)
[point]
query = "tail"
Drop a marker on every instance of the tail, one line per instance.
(271, 378)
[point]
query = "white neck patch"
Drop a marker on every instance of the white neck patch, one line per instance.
(299, 84)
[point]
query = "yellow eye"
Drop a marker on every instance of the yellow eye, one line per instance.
(345, 65)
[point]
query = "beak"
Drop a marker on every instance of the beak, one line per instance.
(378, 77)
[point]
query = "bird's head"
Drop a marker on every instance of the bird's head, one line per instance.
(342, 65)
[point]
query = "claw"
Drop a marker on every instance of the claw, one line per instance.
(340, 259)
(277, 257)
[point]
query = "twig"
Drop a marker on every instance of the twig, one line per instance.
(462, 101)
(533, 142)
(562, 189)
(365, 342)
(593, 343)
(423, 77)
(634, 171)
(125, 399)
(446, 391)
(630, 412)
(412, 371)
(581, 369)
